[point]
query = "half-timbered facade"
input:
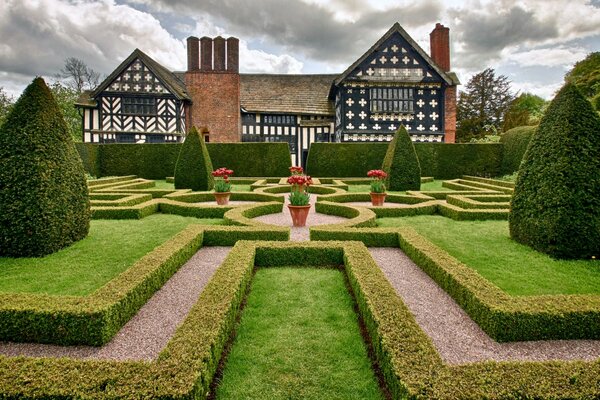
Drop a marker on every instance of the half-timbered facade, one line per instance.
(394, 83)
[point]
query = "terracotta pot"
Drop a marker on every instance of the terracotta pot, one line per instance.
(377, 199)
(299, 214)
(222, 198)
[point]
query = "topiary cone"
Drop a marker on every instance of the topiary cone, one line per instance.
(556, 204)
(194, 168)
(401, 163)
(44, 202)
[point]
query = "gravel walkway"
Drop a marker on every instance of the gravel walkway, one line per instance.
(147, 333)
(300, 234)
(231, 203)
(385, 204)
(456, 337)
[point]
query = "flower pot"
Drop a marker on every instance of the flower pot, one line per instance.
(222, 198)
(299, 214)
(377, 199)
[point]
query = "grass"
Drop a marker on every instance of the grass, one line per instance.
(517, 269)
(163, 184)
(429, 186)
(111, 247)
(298, 339)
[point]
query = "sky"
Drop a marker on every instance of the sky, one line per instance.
(533, 42)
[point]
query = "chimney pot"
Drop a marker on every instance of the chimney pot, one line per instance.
(193, 53)
(219, 51)
(439, 40)
(233, 54)
(206, 54)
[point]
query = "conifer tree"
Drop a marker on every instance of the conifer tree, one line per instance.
(44, 202)
(556, 204)
(401, 163)
(193, 169)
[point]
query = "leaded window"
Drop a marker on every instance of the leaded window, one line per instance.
(391, 100)
(139, 105)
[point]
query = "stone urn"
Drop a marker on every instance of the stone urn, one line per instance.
(222, 198)
(299, 214)
(377, 199)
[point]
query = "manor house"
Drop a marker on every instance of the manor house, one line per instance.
(393, 83)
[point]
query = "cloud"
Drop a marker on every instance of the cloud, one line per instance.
(548, 57)
(544, 90)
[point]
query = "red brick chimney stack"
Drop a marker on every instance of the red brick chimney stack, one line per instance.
(193, 55)
(213, 84)
(439, 40)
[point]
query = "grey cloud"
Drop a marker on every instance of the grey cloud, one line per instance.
(303, 28)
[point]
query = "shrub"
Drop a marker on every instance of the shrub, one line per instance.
(44, 204)
(401, 163)
(194, 168)
(344, 160)
(252, 159)
(515, 143)
(556, 204)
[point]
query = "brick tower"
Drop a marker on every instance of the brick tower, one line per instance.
(213, 83)
(439, 40)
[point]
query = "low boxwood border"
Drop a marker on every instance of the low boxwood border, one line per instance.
(411, 367)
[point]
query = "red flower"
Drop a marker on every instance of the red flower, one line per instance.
(299, 180)
(296, 170)
(377, 174)
(223, 172)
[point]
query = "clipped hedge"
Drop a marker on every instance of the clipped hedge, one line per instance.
(440, 160)
(555, 208)
(515, 143)
(157, 160)
(193, 169)
(401, 163)
(44, 203)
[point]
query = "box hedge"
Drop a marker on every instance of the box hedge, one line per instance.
(194, 168)
(401, 163)
(440, 160)
(157, 160)
(515, 143)
(44, 204)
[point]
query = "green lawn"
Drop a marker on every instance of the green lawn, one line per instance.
(163, 184)
(166, 185)
(517, 269)
(110, 248)
(298, 339)
(429, 186)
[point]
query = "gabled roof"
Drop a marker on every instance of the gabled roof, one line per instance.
(449, 78)
(169, 79)
(290, 94)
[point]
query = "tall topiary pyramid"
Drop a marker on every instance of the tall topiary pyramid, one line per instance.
(44, 202)
(401, 163)
(556, 205)
(193, 169)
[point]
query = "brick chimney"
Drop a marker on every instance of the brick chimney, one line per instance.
(439, 40)
(213, 83)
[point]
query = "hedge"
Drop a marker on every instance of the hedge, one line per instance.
(157, 161)
(401, 163)
(440, 160)
(44, 203)
(185, 369)
(515, 143)
(194, 168)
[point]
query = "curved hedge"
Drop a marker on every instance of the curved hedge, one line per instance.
(44, 203)
(401, 163)
(194, 167)
(556, 204)
(515, 143)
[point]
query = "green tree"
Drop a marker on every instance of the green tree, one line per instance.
(6, 103)
(586, 76)
(526, 109)
(194, 168)
(66, 98)
(483, 103)
(556, 204)
(44, 202)
(401, 163)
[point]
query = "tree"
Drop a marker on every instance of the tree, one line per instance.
(6, 103)
(401, 163)
(526, 109)
(194, 168)
(586, 76)
(44, 202)
(79, 76)
(556, 203)
(65, 98)
(483, 103)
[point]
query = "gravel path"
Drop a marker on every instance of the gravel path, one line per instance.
(147, 333)
(231, 203)
(385, 204)
(456, 337)
(300, 234)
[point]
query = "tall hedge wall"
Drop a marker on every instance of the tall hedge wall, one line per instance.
(443, 161)
(157, 161)
(515, 143)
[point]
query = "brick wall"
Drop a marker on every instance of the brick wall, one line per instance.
(450, 114)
